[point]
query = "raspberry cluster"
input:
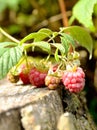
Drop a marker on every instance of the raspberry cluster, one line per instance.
(73, 78)
(74, 81)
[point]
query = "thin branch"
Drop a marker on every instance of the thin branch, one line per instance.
(9, 36)
(63, 11)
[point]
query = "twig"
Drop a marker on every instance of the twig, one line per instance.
(9, 36)
(63, 11)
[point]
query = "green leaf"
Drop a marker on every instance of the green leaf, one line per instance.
(9, 58)
(7, 44)
(28, 37)
(4, 46)
(2, 50)
(60, 47)
(82, 36)
(45, 46)
(65, 44)
(83, 11)
(46, 31)
(69, 39)
(43, 33)
(95, 10)
(41, 36)
(37, 36)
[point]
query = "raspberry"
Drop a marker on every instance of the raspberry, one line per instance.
(12, 78)
(74, 81)
(52, 81)
(37, 77)
(24, 74)
(53, 78)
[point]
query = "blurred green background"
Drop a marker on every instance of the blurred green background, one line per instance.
(21, 17)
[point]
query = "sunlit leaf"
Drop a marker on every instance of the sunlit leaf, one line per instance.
(43, 33)
(46, 31)
(28, 37)
(41, 36)
(83, 11)
(38, 36)
(95, 10)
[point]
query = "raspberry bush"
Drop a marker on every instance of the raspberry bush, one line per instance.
(39, 59)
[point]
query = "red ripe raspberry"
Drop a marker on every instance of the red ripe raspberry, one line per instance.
(24, 74)
(52, 81)
(36, 77)
(74, 81)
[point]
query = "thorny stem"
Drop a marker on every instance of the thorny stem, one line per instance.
(9, 36)
(63, 11)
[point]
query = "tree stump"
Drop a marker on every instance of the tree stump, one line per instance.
(24, 107)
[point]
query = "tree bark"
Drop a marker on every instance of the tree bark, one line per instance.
(24, 107)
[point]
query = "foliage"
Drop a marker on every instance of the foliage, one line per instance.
(10, 4)
(14, 5)
(78, 33)
(22, 17)
(8, 58)
(83, 11)
(11, 52)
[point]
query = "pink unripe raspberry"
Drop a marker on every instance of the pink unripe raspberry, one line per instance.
(12, 78)
(37, 78)
(52, 81)
(74, 81)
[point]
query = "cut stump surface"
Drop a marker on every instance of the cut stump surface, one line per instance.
(24, 107)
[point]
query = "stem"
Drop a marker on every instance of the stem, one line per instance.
(47, 58)
(25, 54)
(63, 11)
(9, 36)
(26, 46)
(17, 65)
